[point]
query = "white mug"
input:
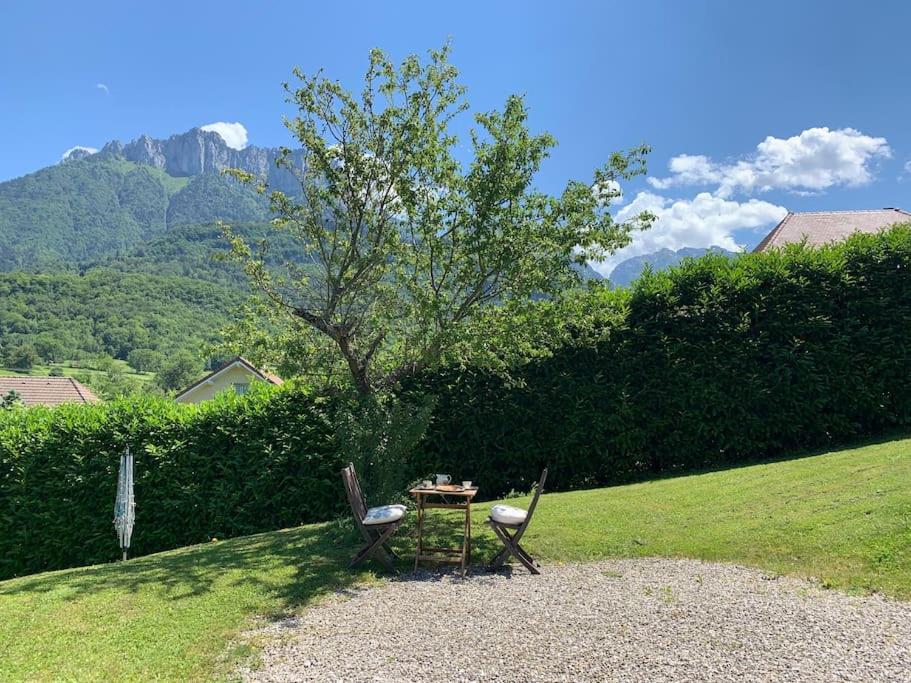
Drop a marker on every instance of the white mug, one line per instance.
(443, 479)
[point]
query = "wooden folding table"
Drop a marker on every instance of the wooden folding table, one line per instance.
(440, 498)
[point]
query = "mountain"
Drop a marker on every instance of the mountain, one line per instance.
(587, 273)
(116, 251)
(95, 205)
(79, 208)
(630, 269)
(199, 152)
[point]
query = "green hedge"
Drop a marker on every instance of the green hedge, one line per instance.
(224, 468)
(713, 363)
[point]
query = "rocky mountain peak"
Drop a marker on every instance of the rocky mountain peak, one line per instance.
(198, 152)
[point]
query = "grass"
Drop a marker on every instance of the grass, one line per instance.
(842, 517)
(74, 368)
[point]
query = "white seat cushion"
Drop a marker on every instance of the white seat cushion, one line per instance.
(504, 514)
(384, 514)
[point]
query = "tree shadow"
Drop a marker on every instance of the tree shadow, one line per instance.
(318, 553)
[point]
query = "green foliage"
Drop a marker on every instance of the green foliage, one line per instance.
(109, 381)
(49, 349)
(103, 206)
(209, 197)
(101, 311)
(177, 372)
(145, 360)
(10, 400)
(78, 209)
(231, 466)
(713, 363)
(20, 357)
(408, 243)
(378, 434)
(200, 251)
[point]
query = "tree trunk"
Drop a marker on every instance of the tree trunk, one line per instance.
(357, 368)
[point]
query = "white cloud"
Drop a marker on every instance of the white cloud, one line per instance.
(814, 160)
(608, 192)
(703, 221)
(234, 134)
(78, 148)
(908, 167)
(103, 88)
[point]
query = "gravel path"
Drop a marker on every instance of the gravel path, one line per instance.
(629, 620)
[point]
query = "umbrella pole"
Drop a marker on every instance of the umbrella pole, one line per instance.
(124, 554)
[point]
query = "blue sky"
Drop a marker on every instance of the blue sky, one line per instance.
(758, 107)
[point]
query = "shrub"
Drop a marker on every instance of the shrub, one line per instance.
(177, 372)
(144, 360)
(21, 357)
(713, 363)
(231, 466)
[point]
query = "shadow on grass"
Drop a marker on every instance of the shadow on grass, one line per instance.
(316, 555)
(292, 565)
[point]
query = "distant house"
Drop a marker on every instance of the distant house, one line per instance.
(236, 374)
(823, 227)
(46, 391)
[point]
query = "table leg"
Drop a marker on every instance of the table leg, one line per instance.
(465, 537)
(420, 530)
(469, 531)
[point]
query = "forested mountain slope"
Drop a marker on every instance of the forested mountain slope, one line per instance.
(68, 315)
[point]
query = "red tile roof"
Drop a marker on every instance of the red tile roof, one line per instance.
(47, 391)
(822, 227)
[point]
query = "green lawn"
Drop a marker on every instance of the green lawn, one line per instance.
(72, 368)
(843, 517)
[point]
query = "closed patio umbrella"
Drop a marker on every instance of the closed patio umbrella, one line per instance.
(125, 504)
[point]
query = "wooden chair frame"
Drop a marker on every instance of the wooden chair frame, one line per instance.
(376, 535)
(511, 540)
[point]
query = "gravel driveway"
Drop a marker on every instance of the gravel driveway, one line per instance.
(628, 620)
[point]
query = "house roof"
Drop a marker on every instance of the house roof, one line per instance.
(47, 391)
(822, 227)
(237, 360)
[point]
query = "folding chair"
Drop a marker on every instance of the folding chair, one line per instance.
(376, 524)
(503, 519)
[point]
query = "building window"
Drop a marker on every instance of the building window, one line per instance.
(241, 388)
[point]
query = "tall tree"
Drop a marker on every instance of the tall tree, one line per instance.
(409, 237)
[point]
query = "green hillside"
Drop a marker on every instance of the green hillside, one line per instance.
(69, 315)
(101, 260)
(80, 208)
(101, 205)
(194, 251)
(209, 197)
(841, 517)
